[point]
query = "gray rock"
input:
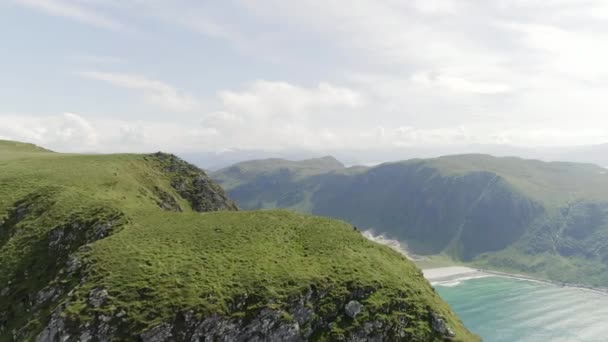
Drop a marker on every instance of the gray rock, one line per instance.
(353, 308)
(73, 264)
(97, 297)
(440, 326)
(165, 201)
(3, 321)
(100, 231)
(21, 212)
(85, 336)
(46, 294)
(161, 333)
(56, 237)
(54, 330)
(266, 325)
(302, 314)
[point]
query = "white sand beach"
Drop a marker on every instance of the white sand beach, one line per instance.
(452, 274)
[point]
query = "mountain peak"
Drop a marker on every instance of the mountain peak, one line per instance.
(326, 162)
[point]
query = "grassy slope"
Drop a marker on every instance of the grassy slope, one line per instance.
(553, 183)
(19, 147)
(158, 262)
(268, 254)
(279, 183)
(242, 173)
(549, 219)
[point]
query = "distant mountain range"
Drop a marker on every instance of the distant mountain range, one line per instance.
(595, 154)
(545, 218)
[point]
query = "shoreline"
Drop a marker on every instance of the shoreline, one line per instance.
(453, 275)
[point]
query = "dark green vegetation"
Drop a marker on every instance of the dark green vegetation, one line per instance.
(146, 247)
(547, 219)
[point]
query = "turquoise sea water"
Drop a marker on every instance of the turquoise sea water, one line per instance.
(508, 310)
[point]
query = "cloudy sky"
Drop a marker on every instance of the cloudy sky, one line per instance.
(199, 76)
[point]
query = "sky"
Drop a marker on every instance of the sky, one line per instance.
(212, 76)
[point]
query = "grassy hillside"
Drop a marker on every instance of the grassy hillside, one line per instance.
(146, 247)
(549, 219)
(12, 149)
(248, 171)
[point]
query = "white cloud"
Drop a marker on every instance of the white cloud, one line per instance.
(366, 74)
(153, 91)
(550, 136)
(434, 6)
(72, 10)
(481, 134)
(459, 83)
(68, 131)
(278, 115)
(71, 132)
(271, 99)
(221, 130)
(579, 54)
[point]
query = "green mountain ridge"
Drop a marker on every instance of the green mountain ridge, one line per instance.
(543, 218)
(147, 248)
(15, 146)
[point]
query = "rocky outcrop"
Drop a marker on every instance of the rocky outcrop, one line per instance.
(353, 308)
(33, 204)
(193, 184)
(165, 200)
(304, 318)
(97, 297)
(440, 326)
(53, 267)
(268, 325)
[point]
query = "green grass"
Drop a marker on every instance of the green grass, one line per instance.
(553, 183)
(507, 212)
(182, 259)
(157, 263)
(15, 147)
(241, 173)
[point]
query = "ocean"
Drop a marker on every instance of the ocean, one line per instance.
(508, 310)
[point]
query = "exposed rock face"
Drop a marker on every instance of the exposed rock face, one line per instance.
(440, 326)
(59, 246)
(77, 233)
(353, 308)
(97, 297)
(54, 331)
(266, 326)
(57, 250)
(102, 328)
(302, 320)
(166, 201)
(193, 184)
(33, 204)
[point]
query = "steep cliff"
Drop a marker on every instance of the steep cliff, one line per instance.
(148, 248)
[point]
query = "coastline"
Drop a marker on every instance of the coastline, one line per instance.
(453, 275)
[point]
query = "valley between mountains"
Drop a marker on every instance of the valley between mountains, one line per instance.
(546, 219)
